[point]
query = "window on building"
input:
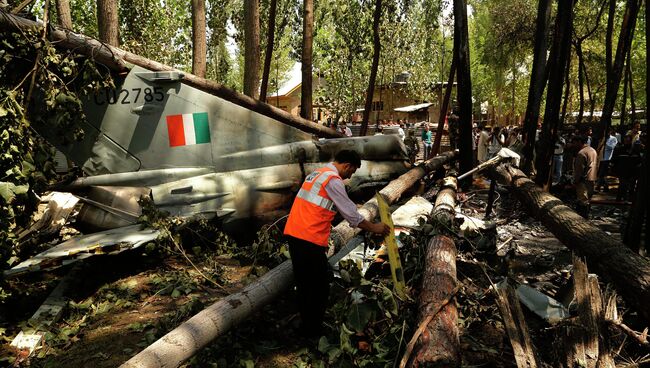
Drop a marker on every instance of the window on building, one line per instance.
(378, 106)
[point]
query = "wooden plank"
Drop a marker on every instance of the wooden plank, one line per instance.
(516, 327)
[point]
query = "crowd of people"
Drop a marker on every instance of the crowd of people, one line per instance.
(576, 159)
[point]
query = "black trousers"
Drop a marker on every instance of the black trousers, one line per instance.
(312, 275)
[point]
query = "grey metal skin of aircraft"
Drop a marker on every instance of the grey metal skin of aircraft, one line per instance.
(196, 154)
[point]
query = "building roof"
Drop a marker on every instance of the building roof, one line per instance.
(294, 82)
(412, 108)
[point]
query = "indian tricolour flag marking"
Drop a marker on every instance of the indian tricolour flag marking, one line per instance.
(187, 129)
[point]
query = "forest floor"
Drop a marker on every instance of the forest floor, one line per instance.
(121, 304)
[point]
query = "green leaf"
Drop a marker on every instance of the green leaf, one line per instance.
(359, 316)
(8, 191)
(323, 344)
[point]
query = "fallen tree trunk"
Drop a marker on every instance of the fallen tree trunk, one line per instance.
(607, 257)
(438, 345)
(117, 59)
(187, 339)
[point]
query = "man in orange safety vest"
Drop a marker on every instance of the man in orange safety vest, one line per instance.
(308, 228)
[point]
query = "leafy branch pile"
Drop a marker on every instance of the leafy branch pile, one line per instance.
(38, 84)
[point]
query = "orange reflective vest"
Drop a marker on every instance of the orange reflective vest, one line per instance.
(313, 210)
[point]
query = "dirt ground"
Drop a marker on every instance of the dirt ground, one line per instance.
(123, 303)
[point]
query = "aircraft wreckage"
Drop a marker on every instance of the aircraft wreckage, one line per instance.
(192, 146)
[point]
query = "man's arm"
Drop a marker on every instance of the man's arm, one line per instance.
(336, 190)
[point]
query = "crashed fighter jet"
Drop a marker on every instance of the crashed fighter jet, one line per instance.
(194, 154)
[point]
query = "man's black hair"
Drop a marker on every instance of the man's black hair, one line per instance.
(348, 157)
(580, 138)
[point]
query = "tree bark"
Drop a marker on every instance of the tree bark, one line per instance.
(268, 55)
(461, 46)
(439, 344)
(537, 82)
(306, 105)
(622, 48)
(557, 68)
(116, 59)
(187, 339)
(251, 48)
(443, 110)
(609, 258)
(107, 22)
(609, 34)
(63, 13)
(199, 46)
(373, 69)
(581, 82)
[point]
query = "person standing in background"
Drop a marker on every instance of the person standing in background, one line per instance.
(584, 173)
(426, 141)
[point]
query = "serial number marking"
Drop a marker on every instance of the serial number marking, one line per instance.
(129, 96)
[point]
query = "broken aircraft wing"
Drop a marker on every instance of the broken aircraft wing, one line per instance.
(111, 241)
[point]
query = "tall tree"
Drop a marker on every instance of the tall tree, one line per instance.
(461, 48)
(614, 80)
(64, 14)
(199, 46)
(557, 65)
(373, 69)
(537, 82)
(444, 107)
(578, 39)
(107, 22)
(307, 42)
(268, 55)
(251, 48)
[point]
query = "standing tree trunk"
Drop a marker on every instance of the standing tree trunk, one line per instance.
(622, 48)
(557, 67)
(373, 70)
(107, 22)
(63, 13)
(631, 86)
(443, 109)
(307, 41)
(461, 46)
(623, 99)
(270, 40)
(537, 82)
(251, 48)
(199, 47)
(567, 88)
(581, 82)
(611, 13)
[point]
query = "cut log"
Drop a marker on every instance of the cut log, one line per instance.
(607, 257)
(438, 344)
(515, 325)
(117, 60)
(187, 339)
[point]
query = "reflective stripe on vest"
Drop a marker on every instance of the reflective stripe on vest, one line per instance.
(312, 196)
(313, 210)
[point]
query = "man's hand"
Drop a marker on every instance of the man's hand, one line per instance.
(377, 227)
